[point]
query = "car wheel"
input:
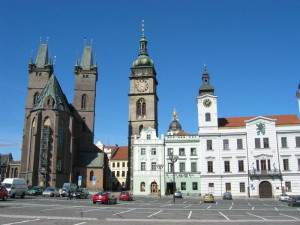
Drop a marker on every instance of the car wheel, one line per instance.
(94, 202)
(52, 195)
(4, 198)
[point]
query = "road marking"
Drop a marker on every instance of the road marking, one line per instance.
(165, 205)
(276, 209)
(208, 207)
(216, 203)
(232, 203)
(184, 202)
(155, 213)
(153, 201)
(189, 216)
(224, 216)
(90, 210)
(200, 202)
(257, 216)
(66, 207)
(169, 201)
(249, 204)
(144, 204)
(253, 208)
(289, 216)
(123, 212)
(25, 221)
(298, 208)
(230, 207)
(80, 223)
(187, 206)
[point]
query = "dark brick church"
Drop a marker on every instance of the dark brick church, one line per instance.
(58, 137)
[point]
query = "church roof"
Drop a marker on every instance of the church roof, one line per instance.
(121, 153)
(53, 89)
(5, 158)
(90, 159)
(87, 58)
(42, 56)
(240, 121)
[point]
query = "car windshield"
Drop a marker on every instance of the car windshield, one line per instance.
(124, 193)
(103, 193)
(49, 189)
(7, 185)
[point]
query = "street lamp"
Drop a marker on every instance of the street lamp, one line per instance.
(160, 166)
(173, 159)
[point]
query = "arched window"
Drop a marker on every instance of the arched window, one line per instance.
(83, 101)
(142, 187)
(141, 128)
(35, 98)
(91, 175)
(141, 107)
(207, 117)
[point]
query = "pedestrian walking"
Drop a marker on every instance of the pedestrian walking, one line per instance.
(60, 193)
(69, 195)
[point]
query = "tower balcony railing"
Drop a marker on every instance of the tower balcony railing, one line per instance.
(264, 173)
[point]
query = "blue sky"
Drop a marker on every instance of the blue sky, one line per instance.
(251, 49)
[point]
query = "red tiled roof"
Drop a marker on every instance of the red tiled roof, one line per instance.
(182, 133)
(121, 154)
(240, 121)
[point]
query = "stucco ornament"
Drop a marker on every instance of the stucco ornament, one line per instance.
(261, 128)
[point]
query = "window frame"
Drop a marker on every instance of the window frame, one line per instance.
(239, 143)
(209, 144)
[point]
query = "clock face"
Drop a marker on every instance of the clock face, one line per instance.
(141, 85)
(207, 102)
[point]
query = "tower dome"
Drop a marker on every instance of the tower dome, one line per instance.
(175, 126)
(143, 59)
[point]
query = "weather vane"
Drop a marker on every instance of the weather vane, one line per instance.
(41, 38)
(92, 42)
(47, 39)
(143, 27)
(84, 41)
(204, 66)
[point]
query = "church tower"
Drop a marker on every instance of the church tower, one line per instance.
(39, 74)
(86, 76)
(207, 106)
(142, 98)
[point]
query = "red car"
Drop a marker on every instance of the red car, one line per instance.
(125, 195)
(104, 197)
(3, 193)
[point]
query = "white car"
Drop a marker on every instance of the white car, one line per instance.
(283, 197)
(51, 192)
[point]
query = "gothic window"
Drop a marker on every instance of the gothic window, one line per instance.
(35, 98)
(207, 117)
(141, 107)
(91, 175)
(83, 101)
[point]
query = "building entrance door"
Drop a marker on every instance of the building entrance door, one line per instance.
(265, 190)
(153, 188)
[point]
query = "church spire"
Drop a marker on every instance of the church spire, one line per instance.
(143, 59)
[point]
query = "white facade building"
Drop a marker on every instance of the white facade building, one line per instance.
(247, 156)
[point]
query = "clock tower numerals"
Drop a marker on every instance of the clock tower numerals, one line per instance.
(141, 85)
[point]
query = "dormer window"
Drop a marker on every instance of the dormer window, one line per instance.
(148, 136)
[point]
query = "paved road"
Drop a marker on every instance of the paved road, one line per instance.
(39, 210)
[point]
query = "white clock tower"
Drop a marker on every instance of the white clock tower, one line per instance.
(207, 107)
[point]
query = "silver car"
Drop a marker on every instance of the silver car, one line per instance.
(51, 192)
(283, 197)
(178, 194)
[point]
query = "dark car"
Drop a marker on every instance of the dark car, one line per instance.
(104, 197)
(125, 195)
(294, 201)
(227, 196)
(3, 193)
(81, 193)
(36, 190)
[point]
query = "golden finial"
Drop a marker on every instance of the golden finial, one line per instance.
(143, 27)
(174, 113)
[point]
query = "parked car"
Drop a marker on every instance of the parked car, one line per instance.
(15, 187)
(125, 195)
(209, 198)
(283, 197)
(36, 190)
(70, 187)
(51, 192)
(178, 194)
(294, 201)
(227, 196)
(104, 197)
(81, 193)
(3, 193)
